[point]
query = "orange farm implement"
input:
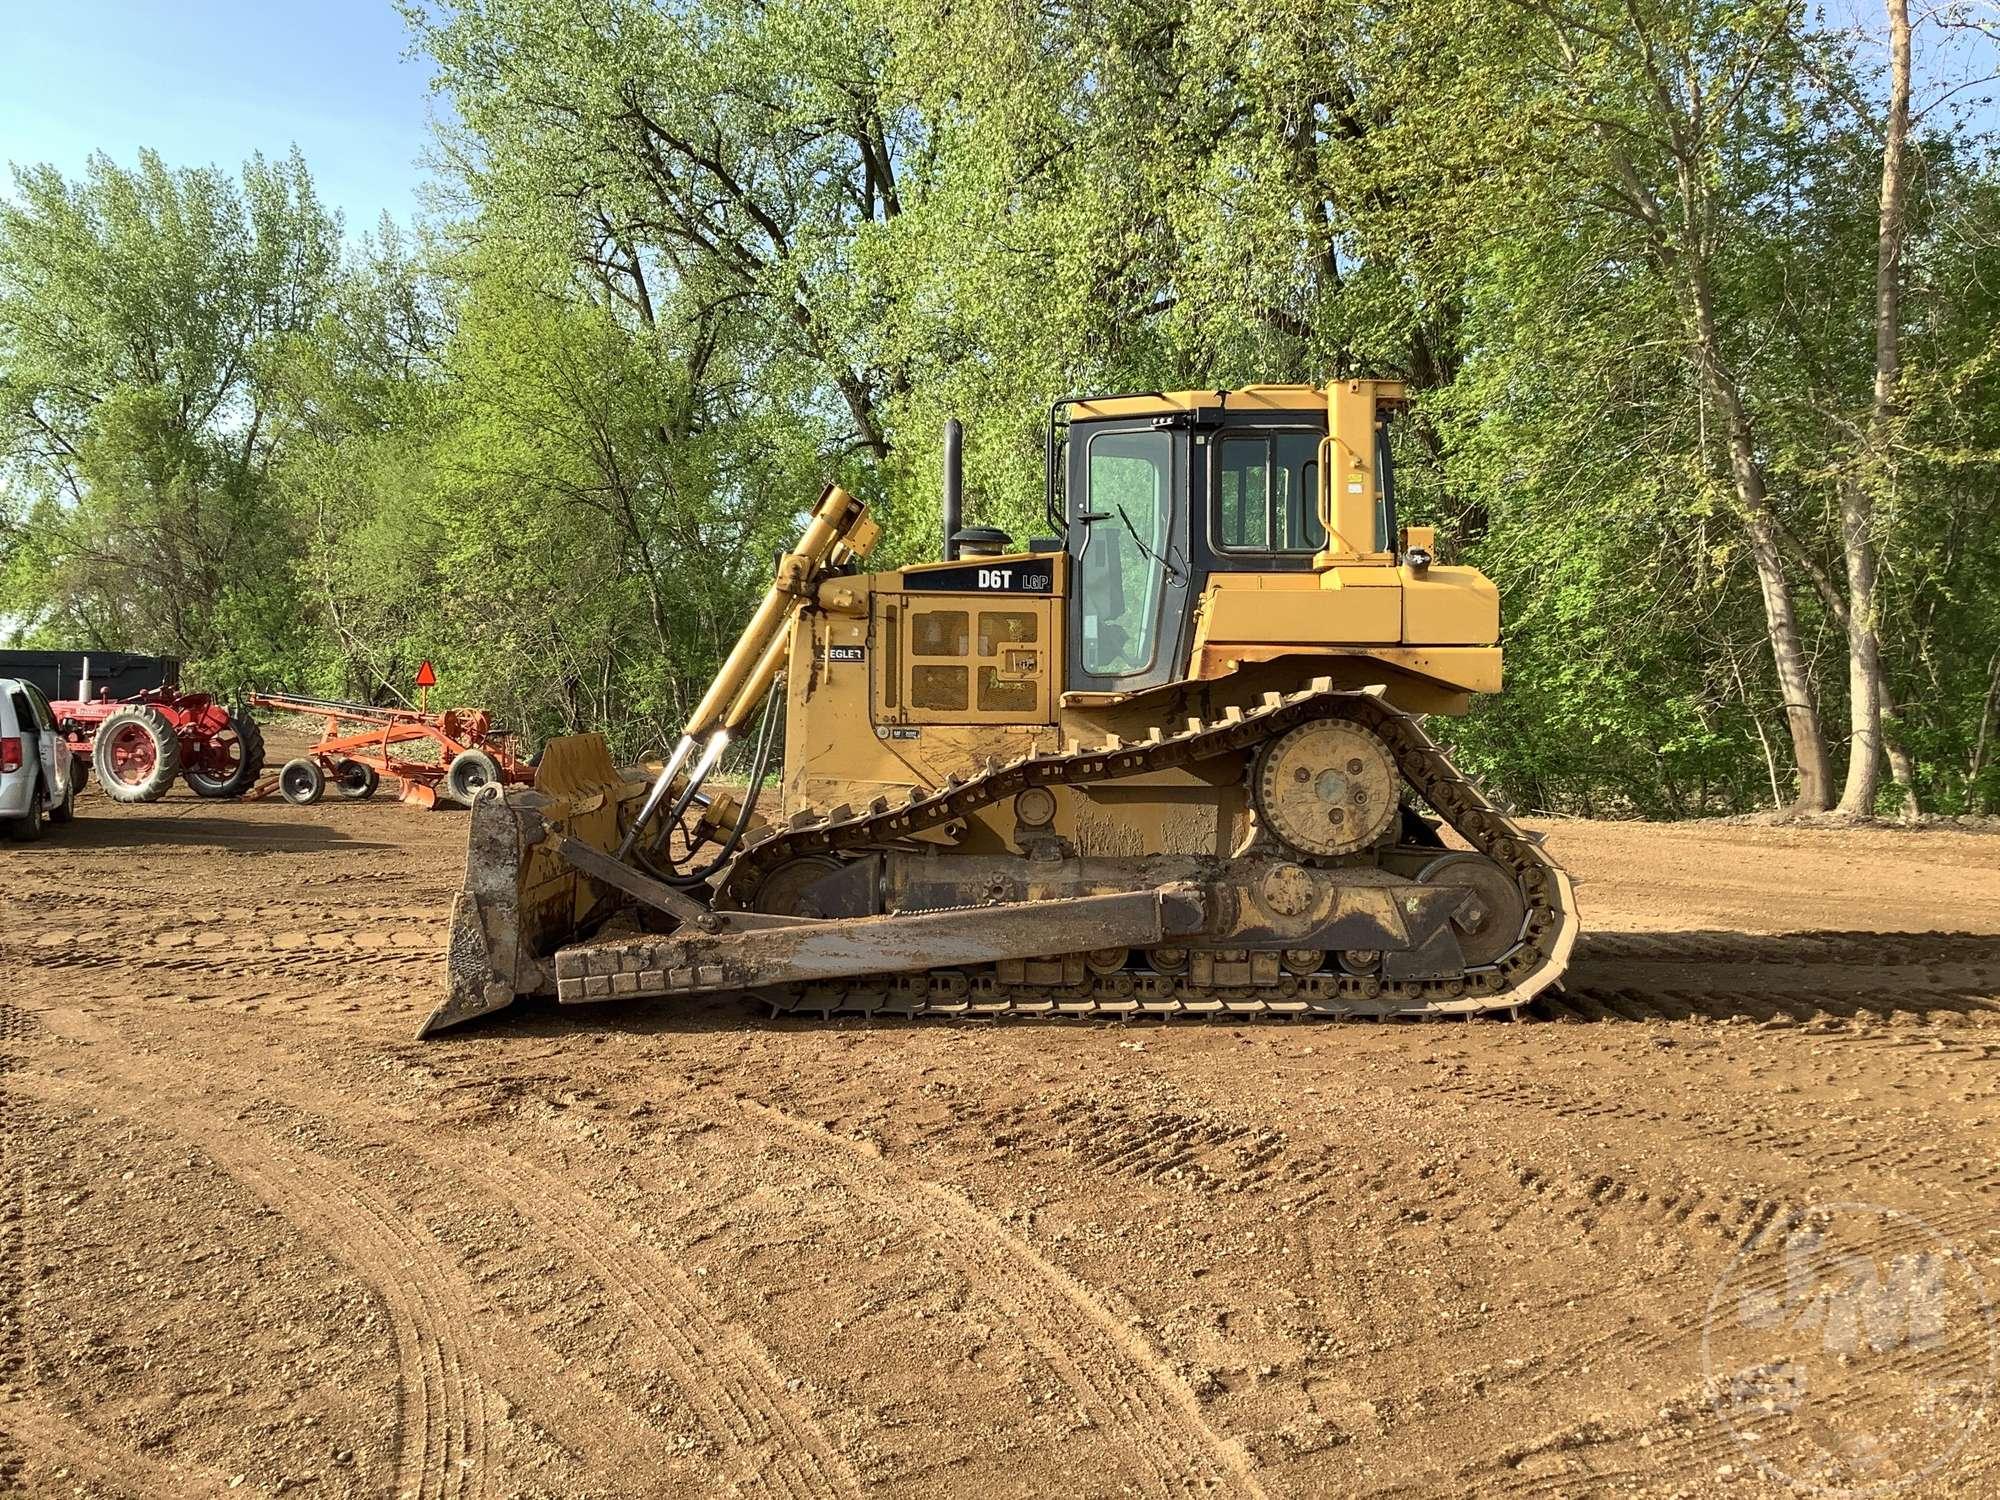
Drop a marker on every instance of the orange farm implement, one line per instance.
(362, 743)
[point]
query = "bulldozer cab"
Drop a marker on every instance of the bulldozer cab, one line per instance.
(1155, 494)
(1158, 496)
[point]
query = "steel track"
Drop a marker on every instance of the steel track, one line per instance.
(1536, 961)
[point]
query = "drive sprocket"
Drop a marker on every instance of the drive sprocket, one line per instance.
(1327, 787)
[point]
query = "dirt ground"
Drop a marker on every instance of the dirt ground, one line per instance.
(259, 1240)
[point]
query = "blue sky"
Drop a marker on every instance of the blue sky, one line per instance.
(207, 82)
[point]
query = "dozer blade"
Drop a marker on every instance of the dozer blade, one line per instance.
(694, 963)
(521, 899)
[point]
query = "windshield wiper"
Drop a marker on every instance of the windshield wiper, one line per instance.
(1172, 571)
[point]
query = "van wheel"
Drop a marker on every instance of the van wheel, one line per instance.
(28, 827)
(65, 811)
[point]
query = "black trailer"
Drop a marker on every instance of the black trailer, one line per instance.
(113, 674)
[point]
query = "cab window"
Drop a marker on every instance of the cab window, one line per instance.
(1266, 493)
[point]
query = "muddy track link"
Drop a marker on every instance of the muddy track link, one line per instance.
(1535, 963)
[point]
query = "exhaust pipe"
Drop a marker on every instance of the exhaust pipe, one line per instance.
(954, 485)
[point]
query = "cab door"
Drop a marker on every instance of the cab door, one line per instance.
(1129, 583)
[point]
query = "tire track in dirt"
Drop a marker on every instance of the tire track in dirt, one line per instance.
(1195, 1149)
(1883, 996)
(1584, 1199)
(1172, 1448)
(15, 1365)
(451, 1364)
(1803, 976)
(55, 1441)
(1916, 1158)
(441, 1421)
(295, 982)
(728, 1380)
(1693, 1439)
(1705, 948)
(1731, 1218)
(1665, 1335)
(194, 941)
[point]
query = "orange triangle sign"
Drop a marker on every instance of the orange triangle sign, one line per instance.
(426, 677)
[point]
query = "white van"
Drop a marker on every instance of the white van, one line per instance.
(38, 775)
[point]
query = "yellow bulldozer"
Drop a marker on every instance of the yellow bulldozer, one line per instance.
(1167, 759)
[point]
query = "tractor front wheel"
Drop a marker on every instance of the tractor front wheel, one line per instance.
(228, 762)
(469, 771)
(136, 754)
(302, 782)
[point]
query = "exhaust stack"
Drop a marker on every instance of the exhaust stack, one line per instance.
(954, 486)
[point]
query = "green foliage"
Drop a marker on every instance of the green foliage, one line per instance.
(702, 258)
(142, 313)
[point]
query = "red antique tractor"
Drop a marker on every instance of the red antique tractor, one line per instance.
(138, 746)
(126, 716)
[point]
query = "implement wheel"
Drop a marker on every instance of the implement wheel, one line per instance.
(353, 779)
(469, 771)
(229, 762)
(302, 782)
(136, 754)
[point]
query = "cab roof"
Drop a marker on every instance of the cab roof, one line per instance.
(1290, 398)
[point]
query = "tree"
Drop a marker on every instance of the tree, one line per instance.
(141, 314)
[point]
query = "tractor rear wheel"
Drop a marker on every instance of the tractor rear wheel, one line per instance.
(136, 754)
(302, 782)
(231, 760)
(353, 779)
(469, 771)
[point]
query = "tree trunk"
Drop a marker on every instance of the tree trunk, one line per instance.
(1974, 798)
(1815, 774)
(1815, 790)
(1858, 494)
(1864, 654)
(1903, 772)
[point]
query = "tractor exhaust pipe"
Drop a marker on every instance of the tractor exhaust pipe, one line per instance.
(954, 485)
